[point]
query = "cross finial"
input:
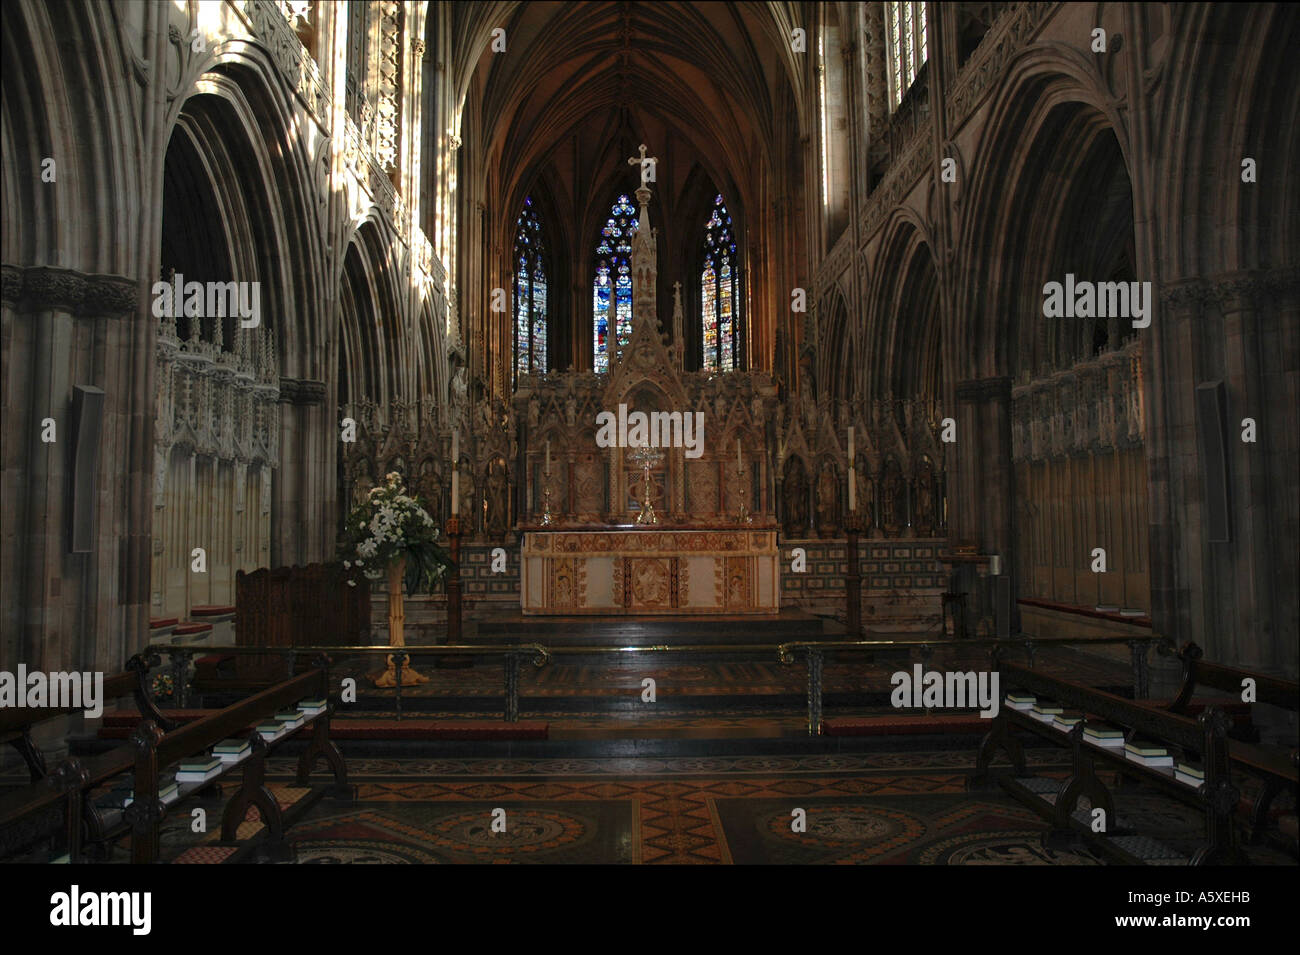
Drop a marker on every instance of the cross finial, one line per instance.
(647, 164)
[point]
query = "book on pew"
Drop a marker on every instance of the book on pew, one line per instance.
(1128, 612)
(1191, 773)
(1103, 734)
(270, 729)
(291, 719)
(232, 750)
(198, 769)
(121, 797)
(1148, 753)
(1020, 701)
(1067, 720)
(313, 706)
(1046, 711)
(1107, 608)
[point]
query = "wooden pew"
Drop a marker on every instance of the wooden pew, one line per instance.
(1277, 770)
(154, 751)
(47, 809)
(1205, 736)
(16, 723)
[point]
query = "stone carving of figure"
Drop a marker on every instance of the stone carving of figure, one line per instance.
(534, 414)
(571, 411)
(867, 497)
(795, 492)
(430, 491)
(756, 409)
(496, 499)
(925, 499)
(361, 489)
(892, 503)
(459, 388)
(827, 498)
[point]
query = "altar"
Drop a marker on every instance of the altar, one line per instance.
(650, 571)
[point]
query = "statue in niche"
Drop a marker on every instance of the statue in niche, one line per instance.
(361, 488)
(534, 414)
(867, 498)
(496, 500)
(571, 411)
(828, 488)
(924, 521)
(795, 503)
(429, 489)
(459, 389)
(892, 501)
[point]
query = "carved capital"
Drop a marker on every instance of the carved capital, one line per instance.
(66, 290)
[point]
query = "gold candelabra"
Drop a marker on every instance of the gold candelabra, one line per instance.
(645, 457)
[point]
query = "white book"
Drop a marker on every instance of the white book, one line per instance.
(1152, 760)
(198, 777)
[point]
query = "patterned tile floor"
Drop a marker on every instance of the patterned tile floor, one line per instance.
(870, 808)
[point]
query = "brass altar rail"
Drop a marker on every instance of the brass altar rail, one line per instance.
(538, 655)
(816, 649)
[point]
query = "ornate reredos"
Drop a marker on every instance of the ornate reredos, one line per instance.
(645, 359)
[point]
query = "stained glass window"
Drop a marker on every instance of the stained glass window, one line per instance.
(530, 293)
(718, 312)
(612, 287)
(908, 47)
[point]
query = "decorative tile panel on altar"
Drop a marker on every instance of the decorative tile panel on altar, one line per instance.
(665, 571)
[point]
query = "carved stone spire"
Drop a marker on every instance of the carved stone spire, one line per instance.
(645, 257)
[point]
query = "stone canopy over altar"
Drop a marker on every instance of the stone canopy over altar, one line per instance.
(682, 524)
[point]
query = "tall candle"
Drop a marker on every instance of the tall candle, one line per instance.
(850, 444)
(853, 485)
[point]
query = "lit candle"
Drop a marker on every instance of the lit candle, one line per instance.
(548, 456)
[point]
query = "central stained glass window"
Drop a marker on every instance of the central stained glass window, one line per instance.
(611, 297)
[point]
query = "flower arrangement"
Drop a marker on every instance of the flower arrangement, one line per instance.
(163, 686)
(386, 527)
